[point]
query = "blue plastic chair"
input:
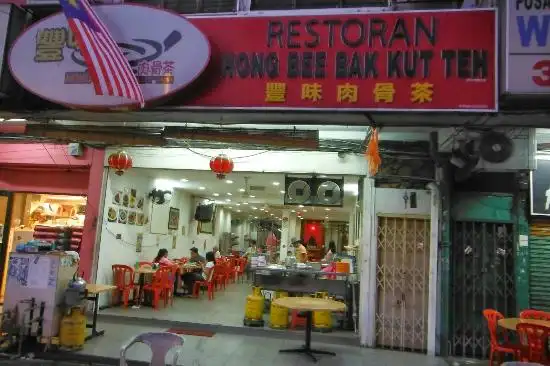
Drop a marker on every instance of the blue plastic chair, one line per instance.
(160, 343)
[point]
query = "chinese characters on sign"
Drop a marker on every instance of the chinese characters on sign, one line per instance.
(419, 93)
(50, 43)
(155, 72)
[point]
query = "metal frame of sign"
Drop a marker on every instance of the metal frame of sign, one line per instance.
(546, 162)
(255, 14)
(507, 55)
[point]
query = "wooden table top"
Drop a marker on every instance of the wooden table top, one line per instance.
(182, 266)
(145, 270)
(310, 304)
(98, 288)
(511, 323)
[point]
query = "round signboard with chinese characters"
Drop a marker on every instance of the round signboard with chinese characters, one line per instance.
(165, 51)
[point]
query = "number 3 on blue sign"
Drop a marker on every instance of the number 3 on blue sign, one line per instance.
(543, 79)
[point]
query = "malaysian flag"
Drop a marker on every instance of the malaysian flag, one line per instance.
(108, 68)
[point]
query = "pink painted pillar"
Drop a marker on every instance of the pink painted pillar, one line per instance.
(92, 213)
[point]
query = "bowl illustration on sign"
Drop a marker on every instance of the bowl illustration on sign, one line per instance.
(164, 58)
(111, 215)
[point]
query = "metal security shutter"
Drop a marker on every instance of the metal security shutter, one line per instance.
(313, 4)
(539, 266)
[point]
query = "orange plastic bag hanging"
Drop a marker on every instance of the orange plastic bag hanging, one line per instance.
(373, 153)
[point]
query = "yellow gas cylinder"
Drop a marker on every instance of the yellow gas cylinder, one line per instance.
(322, 320)
(254, 310)
(72, 331)
(278, 315)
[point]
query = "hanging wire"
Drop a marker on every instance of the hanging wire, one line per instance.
(235, 158)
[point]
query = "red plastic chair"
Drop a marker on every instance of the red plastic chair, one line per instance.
(497, 348)
(534, 314)
(533, 341)
(229, 276)
(170, 283)
(158, 285)
(233, 269)
(209, 284)
(123, 279)
(221, 276)
(239, 270)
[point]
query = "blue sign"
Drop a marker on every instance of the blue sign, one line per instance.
(528, 47)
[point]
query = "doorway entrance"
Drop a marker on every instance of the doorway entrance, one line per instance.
(402, 281)
(6, 199)
(482, 274)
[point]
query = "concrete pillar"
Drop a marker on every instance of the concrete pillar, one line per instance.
(432, 282)
(297, 228)
(368, 256)
(352, 230)
(287, 232)
(292, 226)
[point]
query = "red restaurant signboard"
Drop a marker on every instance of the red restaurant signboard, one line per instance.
(423, 61)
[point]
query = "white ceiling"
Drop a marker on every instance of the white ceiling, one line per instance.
(266, 193)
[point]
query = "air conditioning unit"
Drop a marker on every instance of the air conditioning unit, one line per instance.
(488, 150)
(314, 191)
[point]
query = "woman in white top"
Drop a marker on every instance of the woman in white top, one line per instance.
(203, 274)
(209, 266)
(216, 252)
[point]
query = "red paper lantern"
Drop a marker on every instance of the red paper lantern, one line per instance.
(120, 162)
(221, 165)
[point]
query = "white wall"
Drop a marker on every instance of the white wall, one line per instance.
(380, 201)
(155, 233)
(390, 200)
(249, 160)
(241, 230)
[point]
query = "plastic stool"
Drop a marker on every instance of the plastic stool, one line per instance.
(296, 320)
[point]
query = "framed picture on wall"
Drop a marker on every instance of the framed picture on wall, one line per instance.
(173, 218)
(206, 227)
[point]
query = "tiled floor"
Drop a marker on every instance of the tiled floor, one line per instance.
(226, 309)
(240, 350)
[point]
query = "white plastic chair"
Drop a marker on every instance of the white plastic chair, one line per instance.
(160, 343)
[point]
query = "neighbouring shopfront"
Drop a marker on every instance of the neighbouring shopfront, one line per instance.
(538, 244)
(50, 194)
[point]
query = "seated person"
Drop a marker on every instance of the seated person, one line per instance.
(330, 253)
(196, 257)
(162, 258)
(190, 278)
(209, 266)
